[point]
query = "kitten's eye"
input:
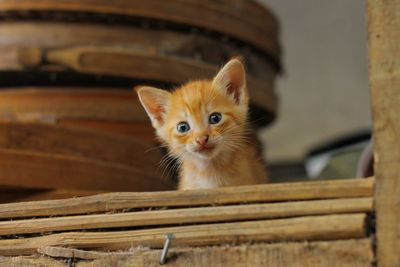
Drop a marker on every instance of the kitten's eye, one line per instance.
(183, 127)
(215, 118)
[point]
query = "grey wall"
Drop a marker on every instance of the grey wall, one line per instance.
(324, 93)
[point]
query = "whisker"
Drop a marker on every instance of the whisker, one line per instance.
(155, 148)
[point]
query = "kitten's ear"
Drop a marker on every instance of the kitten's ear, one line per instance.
(232, 80)
(154, 102)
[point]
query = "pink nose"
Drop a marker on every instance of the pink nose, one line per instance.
(202, 140)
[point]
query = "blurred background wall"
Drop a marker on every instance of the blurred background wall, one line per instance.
(324, 91)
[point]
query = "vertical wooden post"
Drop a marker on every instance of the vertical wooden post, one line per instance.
(384, 76)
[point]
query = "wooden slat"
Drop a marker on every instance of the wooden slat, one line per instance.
(126, 61)
(40, 170)
(67, 141)
(242, 194)
(188, 215)
(53, 103)
(328, 227)
(260, 29)
(384, 78)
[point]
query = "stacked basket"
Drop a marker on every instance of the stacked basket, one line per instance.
(70, 122)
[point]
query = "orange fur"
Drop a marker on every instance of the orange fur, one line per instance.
(210, 154)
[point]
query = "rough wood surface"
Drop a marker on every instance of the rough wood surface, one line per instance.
(327, 227)
(40, 170)
(32, 261)
(384, 77)
(342, 253)
(187, 216)
(242, 194)
(260, 29)
(67, 141)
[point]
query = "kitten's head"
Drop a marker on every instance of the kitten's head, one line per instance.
(201, 119)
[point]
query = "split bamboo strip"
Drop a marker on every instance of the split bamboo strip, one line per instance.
(188, 215)
(242, 194)
(61, 252)
(327, 227)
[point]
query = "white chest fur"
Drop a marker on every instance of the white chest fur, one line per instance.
(198, 182)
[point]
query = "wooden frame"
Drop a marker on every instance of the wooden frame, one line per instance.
(384, 76)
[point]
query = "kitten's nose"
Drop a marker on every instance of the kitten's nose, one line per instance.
(202, 140)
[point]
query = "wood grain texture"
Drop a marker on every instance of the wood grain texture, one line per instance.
(259, 29)
(187, 216)
(241, 194)
(328, 227)
(384, 78)
(41, 170)
(89, 144)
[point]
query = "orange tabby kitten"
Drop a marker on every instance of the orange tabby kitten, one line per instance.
(204, 124)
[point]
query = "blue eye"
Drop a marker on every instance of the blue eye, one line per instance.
(215, 118)
(183, 127)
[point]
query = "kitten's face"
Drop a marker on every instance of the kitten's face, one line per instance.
(201, 119)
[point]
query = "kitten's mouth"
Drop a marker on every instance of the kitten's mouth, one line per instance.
(205, 149)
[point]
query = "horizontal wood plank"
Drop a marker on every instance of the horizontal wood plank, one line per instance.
(188, 215)
(90, 144)
(242, 194)
(328, 227)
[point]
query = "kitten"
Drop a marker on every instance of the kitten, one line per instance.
(204, 124)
